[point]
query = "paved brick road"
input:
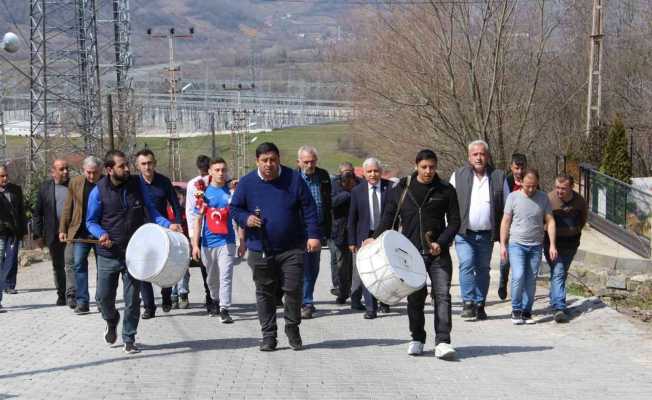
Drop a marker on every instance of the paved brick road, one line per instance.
(47, 352)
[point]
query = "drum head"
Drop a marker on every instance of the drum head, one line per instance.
(147, 251)
(404, 259)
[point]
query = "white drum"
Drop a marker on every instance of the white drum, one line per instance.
(391, 268)
(158, 255)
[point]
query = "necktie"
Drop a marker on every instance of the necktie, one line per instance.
(376, 207)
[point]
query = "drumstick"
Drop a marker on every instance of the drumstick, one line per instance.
(89, 241)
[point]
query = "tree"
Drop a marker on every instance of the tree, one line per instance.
(616, 161)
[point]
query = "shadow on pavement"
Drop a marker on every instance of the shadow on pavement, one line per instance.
(90, 364)
(349, 343)
(205, 344)
(483, 351)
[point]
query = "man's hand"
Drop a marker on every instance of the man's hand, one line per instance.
(503, 253)
(62, 237)
(313, 245)
(233, 184)
(176, 228)
(242, 249)
(105, 241)
(435, 249)
(368, 241)
(39, 243)
(254, 222)
(196, 253)
(553, 253)
(354, 249)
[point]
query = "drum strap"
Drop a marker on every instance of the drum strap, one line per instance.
(401, 200)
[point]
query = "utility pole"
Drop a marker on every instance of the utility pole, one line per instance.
(174, 149)
(594, 100)
(239, 130)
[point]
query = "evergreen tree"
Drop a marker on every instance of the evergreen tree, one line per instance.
(616, 161)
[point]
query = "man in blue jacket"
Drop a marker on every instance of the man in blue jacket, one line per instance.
(117, 206)
(279, 214)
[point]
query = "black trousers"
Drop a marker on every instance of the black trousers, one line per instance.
(58, 256)
(286, 268)
(440, 270)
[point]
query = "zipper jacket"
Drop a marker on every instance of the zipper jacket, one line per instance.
(435, 219)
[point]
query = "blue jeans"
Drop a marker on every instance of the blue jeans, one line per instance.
(108, 273)
(310, 273)
(558, 274)
(474, 254)
(80, 254)
(182, 287)
(524, 261)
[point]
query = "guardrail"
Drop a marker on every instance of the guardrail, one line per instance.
(618, 210)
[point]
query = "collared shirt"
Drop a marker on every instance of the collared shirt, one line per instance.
(315, 190)
(480, 204)
(261, 175)
(370, 191)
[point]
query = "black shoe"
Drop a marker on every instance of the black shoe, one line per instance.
(468, 310)
(268, 344)
(82, 309)
(527, 318)
(295, 342)
(71, 302)
(225, 318)
(481, 315)
(502, 290)
(560, 316)
(335, 292)
(307, 311)
(383, 308)
(148, 313)
(11, 291)
(214, 310)
(130, 348)
(370, 315)
(358, 307)
(111, 332)
(166, 307)
(2, 310)
(340, 300)
(61, 300)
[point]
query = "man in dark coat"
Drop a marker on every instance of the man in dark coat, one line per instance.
(368, 201)
(13, 226)
(49, 206)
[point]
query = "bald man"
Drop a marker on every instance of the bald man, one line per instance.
(45, 220)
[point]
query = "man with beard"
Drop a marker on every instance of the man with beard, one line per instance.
(117, 206)
(50, 200)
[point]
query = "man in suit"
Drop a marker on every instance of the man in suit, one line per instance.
(45, 221)
(367, 205)
(13, 226)
(73, 226)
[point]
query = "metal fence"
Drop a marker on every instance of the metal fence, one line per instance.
(618, 210)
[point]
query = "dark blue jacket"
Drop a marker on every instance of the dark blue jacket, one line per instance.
(360, 213)
(288, 210)
(161, 192)
(119, 211)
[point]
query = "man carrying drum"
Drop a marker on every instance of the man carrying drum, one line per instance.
(117, 206)
(426, 207)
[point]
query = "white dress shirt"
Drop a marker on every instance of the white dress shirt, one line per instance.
(370, 193)
(480, 203)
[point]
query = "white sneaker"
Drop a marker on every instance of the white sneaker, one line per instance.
(445, 351)
(415, 349)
